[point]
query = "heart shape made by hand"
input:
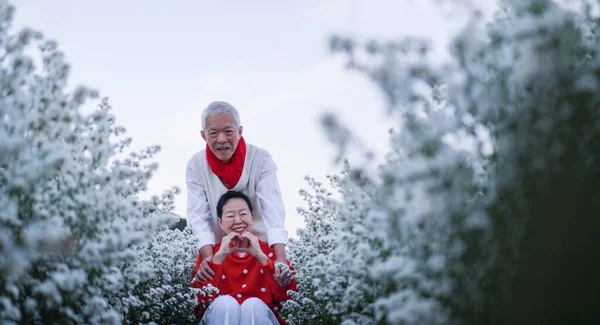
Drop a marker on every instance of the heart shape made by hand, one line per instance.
(240, 242)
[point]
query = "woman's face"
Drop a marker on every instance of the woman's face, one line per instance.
(236, 216)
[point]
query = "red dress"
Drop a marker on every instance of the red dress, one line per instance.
(243, 278)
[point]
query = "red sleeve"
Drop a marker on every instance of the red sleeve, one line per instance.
(206, 291)
(199, 261)
(280, 293)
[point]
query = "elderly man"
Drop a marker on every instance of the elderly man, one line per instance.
(228, 163)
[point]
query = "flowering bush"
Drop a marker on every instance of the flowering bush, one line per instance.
(77, 243)
(166, 298)
(499, 229)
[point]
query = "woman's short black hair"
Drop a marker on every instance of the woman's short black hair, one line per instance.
(231, 195)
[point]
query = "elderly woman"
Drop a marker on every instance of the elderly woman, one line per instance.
(246, 289)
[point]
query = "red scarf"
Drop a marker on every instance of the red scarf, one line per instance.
(229, 173)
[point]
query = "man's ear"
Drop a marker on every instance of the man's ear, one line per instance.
(203, 135)
(241, 129)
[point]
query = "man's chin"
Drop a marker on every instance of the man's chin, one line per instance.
(224, 158)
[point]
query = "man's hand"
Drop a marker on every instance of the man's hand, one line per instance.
(282, 275)
(204, 271)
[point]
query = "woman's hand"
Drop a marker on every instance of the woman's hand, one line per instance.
(254, 248)
(226, 248)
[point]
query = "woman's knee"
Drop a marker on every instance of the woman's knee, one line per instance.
(255, 311)
(223, 310)
(255, 304)
(225, 303)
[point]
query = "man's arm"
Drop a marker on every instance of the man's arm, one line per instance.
(273, 215)
(272, 208)
(198, 212)
(279, 250)
(206, 251)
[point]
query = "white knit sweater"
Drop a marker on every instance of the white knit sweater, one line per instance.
(258, 182)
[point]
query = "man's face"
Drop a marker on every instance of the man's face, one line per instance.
(222, 135)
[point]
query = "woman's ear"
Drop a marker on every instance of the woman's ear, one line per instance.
(220, 222)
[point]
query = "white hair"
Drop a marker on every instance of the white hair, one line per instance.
(215, 108)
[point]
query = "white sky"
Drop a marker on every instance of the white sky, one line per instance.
(162, 62)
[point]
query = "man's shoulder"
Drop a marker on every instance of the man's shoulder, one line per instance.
(260, 159)
(255, 148)
(197, 158)
(257, 152)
